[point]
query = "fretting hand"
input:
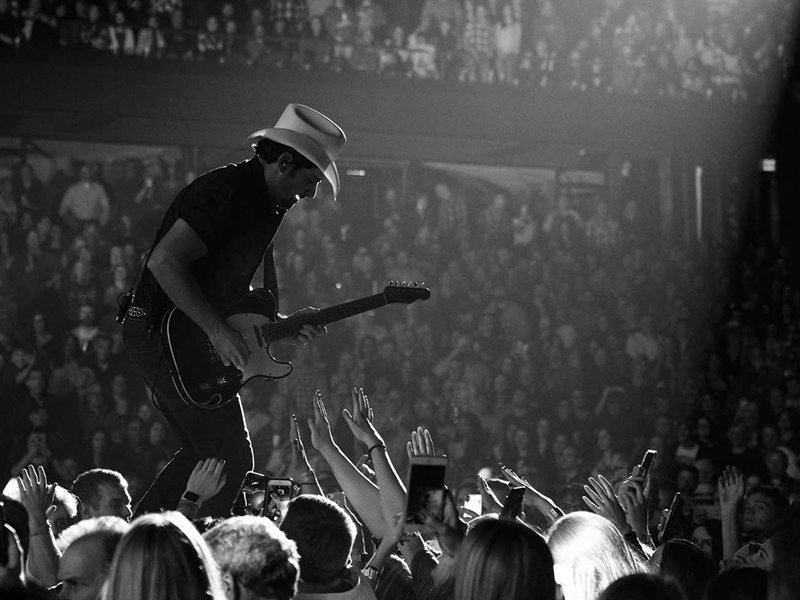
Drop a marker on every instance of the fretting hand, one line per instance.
(309, 331)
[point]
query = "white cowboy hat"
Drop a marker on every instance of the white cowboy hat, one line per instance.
(312, 134)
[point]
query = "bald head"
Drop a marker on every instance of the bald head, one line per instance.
(83, 569)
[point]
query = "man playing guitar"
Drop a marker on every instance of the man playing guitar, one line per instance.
(214, 237)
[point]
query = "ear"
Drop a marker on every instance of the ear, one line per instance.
(284, 162)
(229, 586)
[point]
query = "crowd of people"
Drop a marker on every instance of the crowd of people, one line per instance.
(560, 341)
(728, 50)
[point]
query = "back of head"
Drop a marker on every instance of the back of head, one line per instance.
(257, 555)
(687, 564)
(643, 586)
(588, 554)
(503, 560)
(106, 531)
(324, 535)
(162, 557)
(746, 583)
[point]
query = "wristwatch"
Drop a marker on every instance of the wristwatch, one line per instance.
(370, 572)
(191, 497)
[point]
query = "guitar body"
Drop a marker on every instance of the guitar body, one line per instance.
(197, 371)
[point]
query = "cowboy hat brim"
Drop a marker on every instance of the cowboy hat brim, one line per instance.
(305, 146)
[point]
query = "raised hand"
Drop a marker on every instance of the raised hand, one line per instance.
(421, 443)
(491, 504)
(603, 501)
(36, 495)
(731, 489)
(207, 479)
(634, 503)
(321, 436)
(299, 467)
(360, 420)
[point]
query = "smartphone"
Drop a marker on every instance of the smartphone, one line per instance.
(673, 506)
(250, 499)
(474, 503)
(648, 461)
(338, 497)
(426, 476)
(279, 494)
(3, 536)
(513, 504)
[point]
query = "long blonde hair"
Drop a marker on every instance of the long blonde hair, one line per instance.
(589, 554)
(163, 557)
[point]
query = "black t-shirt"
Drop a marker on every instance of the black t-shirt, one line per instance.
(230, 209)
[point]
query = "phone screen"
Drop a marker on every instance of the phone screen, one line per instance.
(647, 463)
(250, 500)
(513, 506)
(425, 491)
(279, 494)
(474, 503)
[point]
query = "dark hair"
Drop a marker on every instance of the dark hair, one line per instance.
(324, 534)
(778, 498)
(87, 485)
(691, 568)
(270, 151)
(643, 586)
(744, 583)
(504, 560)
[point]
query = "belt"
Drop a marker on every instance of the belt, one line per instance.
(136, 312)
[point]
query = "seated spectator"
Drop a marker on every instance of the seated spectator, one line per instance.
(211, 42)
(257, 560)
(102, 493)
(87, 552)
(324, 534)
(164, 556)
(316, 49)
(503, 559)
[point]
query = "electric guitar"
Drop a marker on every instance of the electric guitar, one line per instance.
(199, 375)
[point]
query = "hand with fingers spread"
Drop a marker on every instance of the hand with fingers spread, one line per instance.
(360, 420)
(207, 479)
(731, 490)
(603, 501)
(534, 498)
(421, 443)
(36, 495)
(321, 436)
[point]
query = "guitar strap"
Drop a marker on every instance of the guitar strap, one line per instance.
(126, 305)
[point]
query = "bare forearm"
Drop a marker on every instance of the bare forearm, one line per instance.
(181, 287)
(730, 535)
(360, 491)
(43, 556)
(391, 489)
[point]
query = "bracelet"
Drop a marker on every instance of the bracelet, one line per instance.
(371, 448)
(43, 530)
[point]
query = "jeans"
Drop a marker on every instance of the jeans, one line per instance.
(203, 433)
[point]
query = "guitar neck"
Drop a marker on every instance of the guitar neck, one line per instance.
(290, 327)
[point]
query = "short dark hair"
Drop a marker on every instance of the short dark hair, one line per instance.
(87, 485)
(324, 534)
(643, 586)
(778, 498)
(270, 151)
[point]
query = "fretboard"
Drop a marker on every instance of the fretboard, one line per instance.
(290, 327)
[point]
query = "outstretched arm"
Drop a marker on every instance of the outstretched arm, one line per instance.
(37, 498)
(360, 491)
(731, 493)
(392, 492)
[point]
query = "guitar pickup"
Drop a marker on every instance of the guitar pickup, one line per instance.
(259, 339)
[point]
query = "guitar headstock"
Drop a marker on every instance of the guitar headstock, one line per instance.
(405, 293)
